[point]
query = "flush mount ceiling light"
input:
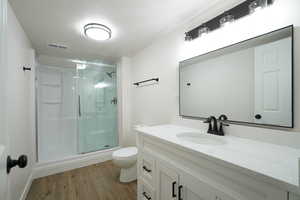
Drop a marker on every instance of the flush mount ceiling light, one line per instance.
(97, 32)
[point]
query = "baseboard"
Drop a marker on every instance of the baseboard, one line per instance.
(42, 170)
(27, 187)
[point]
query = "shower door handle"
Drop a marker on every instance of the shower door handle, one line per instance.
(79, 106)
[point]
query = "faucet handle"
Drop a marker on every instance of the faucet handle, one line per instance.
(223, 117)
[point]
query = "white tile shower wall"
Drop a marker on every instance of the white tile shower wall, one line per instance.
(56, 113)
(158, 104)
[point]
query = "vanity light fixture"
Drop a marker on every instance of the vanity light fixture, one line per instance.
(97, 31)
(257, 5)
(203, 30)
(241, 10)
(226, 19)
(187, 37)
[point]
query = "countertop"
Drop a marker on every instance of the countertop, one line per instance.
(279, 163)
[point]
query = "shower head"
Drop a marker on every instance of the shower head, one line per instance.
(110, 74)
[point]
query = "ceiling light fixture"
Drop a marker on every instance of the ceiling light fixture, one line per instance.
(97, 32)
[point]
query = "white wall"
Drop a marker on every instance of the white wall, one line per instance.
(20, 98)
(126, 136)
(159, 103)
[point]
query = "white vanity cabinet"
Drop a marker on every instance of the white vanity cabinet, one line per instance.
(167, 180)
(169, 172)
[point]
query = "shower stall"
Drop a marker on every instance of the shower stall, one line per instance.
(76, 110)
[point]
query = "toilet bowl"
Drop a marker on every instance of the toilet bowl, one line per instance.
(126, 158)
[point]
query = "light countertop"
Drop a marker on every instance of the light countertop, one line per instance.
(280, 163)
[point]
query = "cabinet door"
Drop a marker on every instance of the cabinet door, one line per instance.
(192, 188)
(293, 196)
(166, 181)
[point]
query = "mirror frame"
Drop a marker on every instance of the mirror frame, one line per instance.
(244, 122)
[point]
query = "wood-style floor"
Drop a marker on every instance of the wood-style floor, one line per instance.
(95, 182)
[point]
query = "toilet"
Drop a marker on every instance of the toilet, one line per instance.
(126, 158)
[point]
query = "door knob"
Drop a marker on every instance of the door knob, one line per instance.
(21, 162)
(258, 116)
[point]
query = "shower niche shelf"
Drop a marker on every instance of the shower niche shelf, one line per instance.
(51, 102)
(51, 85)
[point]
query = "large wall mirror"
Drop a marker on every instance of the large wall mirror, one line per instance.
(250, 82)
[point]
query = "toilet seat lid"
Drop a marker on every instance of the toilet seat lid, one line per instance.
(125, 152)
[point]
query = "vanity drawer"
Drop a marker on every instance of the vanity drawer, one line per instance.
(147, 168)
(146, 192)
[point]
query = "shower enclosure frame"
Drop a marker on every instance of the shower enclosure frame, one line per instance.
(79, 156)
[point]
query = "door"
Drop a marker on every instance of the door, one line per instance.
(15, 104)
(97, 107)
(3, 175)
(167, 181)
(3, 136)
(273, 83)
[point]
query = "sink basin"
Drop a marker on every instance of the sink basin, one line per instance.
(199, 138)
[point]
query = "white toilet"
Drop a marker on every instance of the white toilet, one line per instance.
(126, 159)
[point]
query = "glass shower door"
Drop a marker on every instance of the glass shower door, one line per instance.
(97, 108)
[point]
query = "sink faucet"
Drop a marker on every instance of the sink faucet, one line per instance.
(213, 125)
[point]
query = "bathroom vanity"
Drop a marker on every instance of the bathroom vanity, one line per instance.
(187, 164)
